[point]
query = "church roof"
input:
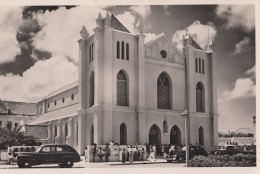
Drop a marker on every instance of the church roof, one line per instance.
(117, 25)
(56, 114)
(62, 89)
(194, 43)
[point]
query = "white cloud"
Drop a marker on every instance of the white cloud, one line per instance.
(60, 29)
(238, 16)
(201, 33)
(244, 87)
(142, 10)
(10, 20)
(39, 80)
(242, 45)
(149, 37)
(128, 20)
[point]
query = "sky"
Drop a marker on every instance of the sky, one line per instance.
(39, 49)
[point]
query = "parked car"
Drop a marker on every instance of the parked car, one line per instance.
(180, 156)
(63, 155)
(228, 150)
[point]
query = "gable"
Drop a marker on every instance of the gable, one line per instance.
(117, 25)
(162, 49)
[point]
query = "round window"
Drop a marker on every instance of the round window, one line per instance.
(163, 54)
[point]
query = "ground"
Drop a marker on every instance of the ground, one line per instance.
(140, 164)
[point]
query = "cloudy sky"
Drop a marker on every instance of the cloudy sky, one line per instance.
(39, 49)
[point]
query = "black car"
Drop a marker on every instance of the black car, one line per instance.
(63, 155)
(180, 156)
(228, 150)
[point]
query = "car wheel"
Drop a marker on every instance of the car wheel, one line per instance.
(180, 159)
(21, 164)
(67, 164)
(28, 164)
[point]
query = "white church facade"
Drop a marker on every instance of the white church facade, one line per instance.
(130, 91)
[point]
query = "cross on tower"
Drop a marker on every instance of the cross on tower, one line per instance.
(186, 29)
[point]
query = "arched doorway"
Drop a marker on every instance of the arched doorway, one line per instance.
(201, 136)
(175, 135)
(123, 134)
(92, 135)
(155, 135)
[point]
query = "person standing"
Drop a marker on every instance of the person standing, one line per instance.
(131, 155)
(86, 154)
(94, 151)
(147, 149)
(123, 155)
(154, 152)
(107, 149)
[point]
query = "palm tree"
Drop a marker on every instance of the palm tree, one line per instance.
(14, 137)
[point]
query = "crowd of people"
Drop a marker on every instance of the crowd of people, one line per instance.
(132, 152)
(128, 152)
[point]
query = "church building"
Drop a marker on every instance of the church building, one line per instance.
(130, 91)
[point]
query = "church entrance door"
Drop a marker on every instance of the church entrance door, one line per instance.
(175, 135)
(155, 135)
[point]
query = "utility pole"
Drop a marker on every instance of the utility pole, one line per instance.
(187, 135)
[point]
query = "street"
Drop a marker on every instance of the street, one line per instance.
(140, 164)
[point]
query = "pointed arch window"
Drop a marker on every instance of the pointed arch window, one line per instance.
(163, 92)
(66, 130)
(122, 89)
(123, 134)
(127, 51)
(203, 70)
(91, 90)
(55, 131)
(200, 98)
(199, 65)
(118, 49)
(123, 50)
(196, 64)
(165, 127)
(201, 136)
(90, 52)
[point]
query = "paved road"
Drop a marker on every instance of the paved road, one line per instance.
(82, 164)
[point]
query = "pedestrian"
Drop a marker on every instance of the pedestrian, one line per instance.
(86, 154)
(147, 148)
(131, 154)
(94, 151)
(100, 153)
(154, 152)
(107, 149)
(123, 155)
(111, 143)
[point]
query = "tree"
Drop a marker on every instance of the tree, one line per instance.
(14, 137)
(3, 106)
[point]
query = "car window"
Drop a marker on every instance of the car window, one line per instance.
(62, 149)
(191, 148)
(48, 149)
(201, 149)
(59, 149)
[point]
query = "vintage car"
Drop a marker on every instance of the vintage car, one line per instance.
(180, 156)
(63, 155)
(228, 150)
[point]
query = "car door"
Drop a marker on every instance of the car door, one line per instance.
(46, 155)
